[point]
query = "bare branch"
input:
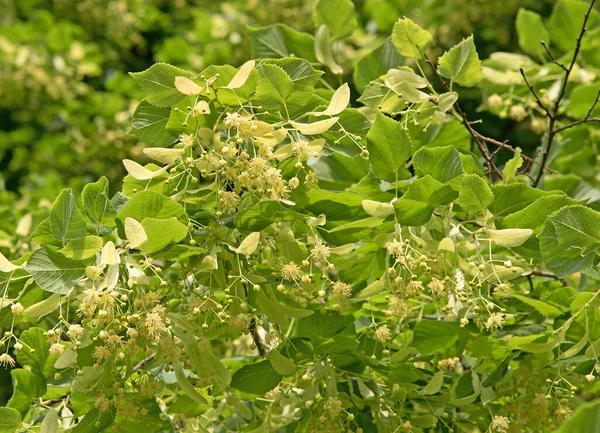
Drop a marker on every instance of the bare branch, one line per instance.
(556, 62)
(552, 130)
(534, 93)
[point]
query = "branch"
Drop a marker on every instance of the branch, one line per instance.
(492, 169)
(547, 274)
(142, 362)
(553, 114)
(534, 93)
(556, 62)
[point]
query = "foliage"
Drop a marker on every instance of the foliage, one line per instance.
(308, 254)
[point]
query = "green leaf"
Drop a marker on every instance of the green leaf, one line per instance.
(66, 222)
(249, 245)
(431, 336)
(158, 84)
(570, 239)
(187, 386)
(389, 148)
(441, 163)
(82, 248)
(10, 420)
(475, 194)
(150, 204)
(338, 15)
(323, 50)
(54, 272)
(376, 63)
(162, 232)
(531, 32)
(303, 76)
(260, 216)
(27, 387)
(509, 237)
(256, 378)
(50, 422)
(535, 214)
(512, 165)
(541, 306)
(409, 39)
(414, 207)
(434, 385)
(273, 87)
(149, 125)
(94, 421)
(461, 64)
(280, 40)
(34, 338)
(586, 418)
(581, 99)
(97, 206)
(281, 364)
(566, 22)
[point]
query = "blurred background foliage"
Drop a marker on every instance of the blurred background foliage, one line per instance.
(66, 99)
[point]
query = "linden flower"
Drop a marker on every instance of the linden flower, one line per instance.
(102, 404)
(500, 424)
(396, 248)
(494, 101)
(57, 349)
(494, 322)
(320, 252)
(102, 353)
(539, 125)
(518, 112)
(294, 182)
(16, 308)
(186, 139)
(502, 289)
(232, 120)
(414, 286)
(341, 291)
(450, 364)
(398, 307)
(437, 287)
(333, 405)
(301, 149)
(291, 272)
(155, 323)
(6, 360)
(383, 333)
(75, 332)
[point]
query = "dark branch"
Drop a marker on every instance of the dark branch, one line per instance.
(492, 169)
(534, 93)
(553, 113)
(556, 62)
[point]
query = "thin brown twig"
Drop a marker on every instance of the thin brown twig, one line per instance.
(552, 58)
(534, 93)
(553, 113)
(142, 363)
(492, 169)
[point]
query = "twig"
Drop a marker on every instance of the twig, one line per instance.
(556, 62)
(492, 169)
(142, 362)
(548, 274)
(586, 119)
(534, 93)
(553, 112)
